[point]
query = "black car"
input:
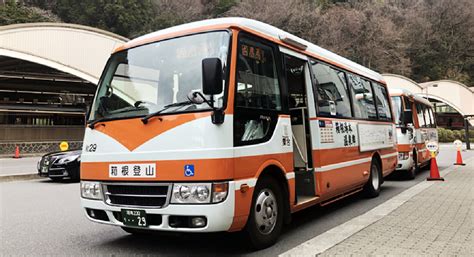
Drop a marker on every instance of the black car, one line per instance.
(60, 165)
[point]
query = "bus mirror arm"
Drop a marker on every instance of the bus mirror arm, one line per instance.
(403, 129)
(407, 117)
(407, 127)
(217, 113)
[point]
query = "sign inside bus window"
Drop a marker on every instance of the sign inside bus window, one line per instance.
(252, 52)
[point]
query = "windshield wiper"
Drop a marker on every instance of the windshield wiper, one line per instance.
(92, 124)
(135, 107)
(151, 115)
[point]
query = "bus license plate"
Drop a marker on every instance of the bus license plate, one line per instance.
(135, 218)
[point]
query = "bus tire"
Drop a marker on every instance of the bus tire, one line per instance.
(372, 187)
(266, 214)
(416, 167)
(411, 173)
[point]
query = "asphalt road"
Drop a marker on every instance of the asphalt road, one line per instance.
(24, 165)
(41, 217)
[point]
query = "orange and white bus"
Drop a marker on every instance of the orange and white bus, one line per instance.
(231, 124)
(416, 125)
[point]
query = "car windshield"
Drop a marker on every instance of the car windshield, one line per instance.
(149, 78)
(397, 107)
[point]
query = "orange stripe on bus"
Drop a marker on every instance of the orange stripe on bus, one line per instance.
(169, 170)
(323, 157)
(404, 147)
(334, 182)
(132, 133)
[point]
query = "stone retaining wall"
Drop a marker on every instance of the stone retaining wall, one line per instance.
(35, 147)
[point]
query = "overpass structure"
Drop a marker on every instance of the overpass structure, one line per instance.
(456, 96)
(450, 97)
(48, 76)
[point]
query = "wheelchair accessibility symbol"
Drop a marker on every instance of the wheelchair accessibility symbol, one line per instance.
(189, 170)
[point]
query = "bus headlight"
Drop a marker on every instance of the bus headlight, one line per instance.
(199, 193)
(219, 192)
(91, 190)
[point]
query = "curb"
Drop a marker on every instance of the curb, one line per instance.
(334, 236)
(15, 177)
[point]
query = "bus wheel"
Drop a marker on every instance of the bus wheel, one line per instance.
(416, 167)
(411, 173)
(266, 214)
(372, 187)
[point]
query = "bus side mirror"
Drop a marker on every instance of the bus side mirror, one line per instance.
(407, 117)
(211, 76)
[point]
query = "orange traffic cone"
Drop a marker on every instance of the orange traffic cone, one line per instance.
(459, 158)
(434, 171)
(17, 152)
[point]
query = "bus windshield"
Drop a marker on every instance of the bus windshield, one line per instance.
(398, 109)
(150, 78)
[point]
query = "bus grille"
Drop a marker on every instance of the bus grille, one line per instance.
(151, 195)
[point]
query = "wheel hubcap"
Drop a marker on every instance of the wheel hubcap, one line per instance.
(375, 177)
(266, 211)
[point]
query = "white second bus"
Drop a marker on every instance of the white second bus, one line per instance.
(416, 125)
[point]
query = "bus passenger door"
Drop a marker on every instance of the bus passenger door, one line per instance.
(296, 70)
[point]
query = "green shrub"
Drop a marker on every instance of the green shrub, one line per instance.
(448, 136)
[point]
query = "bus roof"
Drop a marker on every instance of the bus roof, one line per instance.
(408, 93)
(252, 25)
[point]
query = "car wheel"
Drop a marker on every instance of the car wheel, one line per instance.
(372, 187)
(76, 174)
(266, 214)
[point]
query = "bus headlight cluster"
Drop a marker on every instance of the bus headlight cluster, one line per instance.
(199, 192)
(91, 190)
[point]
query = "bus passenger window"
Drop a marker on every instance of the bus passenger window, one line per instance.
(381, 96)
(331, 88)
(427, 116)
(257, 80)
(421, 119)
(433, 121)
(257, 95)
(363, 98)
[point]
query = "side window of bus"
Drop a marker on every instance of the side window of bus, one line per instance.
(257, 94)
(408, 104)
(257, 80)
(363, 97)
(331, 91)
(421, 118)
(428, 121)
(432, 117)
(383, 107)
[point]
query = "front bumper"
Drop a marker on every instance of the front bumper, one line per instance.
(219, 216)
(405, 164)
